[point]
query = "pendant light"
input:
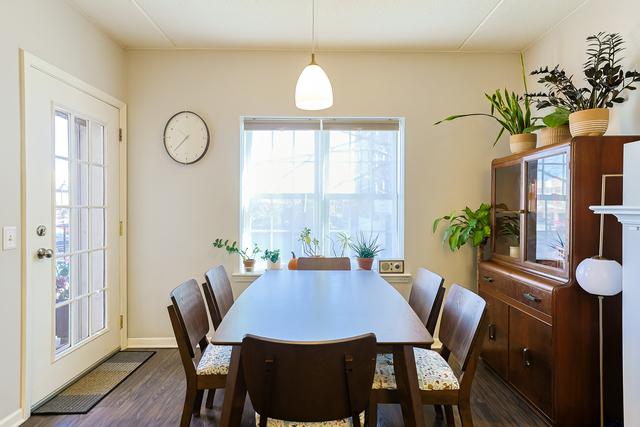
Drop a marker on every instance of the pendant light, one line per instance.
(313, 90)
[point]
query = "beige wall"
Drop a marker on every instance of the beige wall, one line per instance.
(56, 33)
(566, 45)
(176, 211)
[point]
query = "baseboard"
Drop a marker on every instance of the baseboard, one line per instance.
(161, 342)
(12, 420)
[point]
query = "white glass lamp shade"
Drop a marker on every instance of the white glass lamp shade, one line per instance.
(600, 276)
(313, 90)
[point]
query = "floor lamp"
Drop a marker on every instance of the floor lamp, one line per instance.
(602, 277)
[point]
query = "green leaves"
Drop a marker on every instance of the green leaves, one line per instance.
(366, 248)
(464, 226)
(560, 117)
(234, 249)
(271, 255)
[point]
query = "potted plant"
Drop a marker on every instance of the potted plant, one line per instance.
(513, 113)
(248, 258)
(509, 229)
(310, 245)
(466, 226)
(607, 81)
(365, 250)
(557, 127)
(272, 258)
(343, 242)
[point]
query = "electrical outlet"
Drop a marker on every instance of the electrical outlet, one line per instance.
(9, 238)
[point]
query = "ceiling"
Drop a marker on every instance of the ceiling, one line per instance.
(402, 25)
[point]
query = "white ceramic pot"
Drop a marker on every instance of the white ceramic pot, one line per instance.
(593, 122)
(273, 265)
(514, 251)
(522, 142)
(559, 135)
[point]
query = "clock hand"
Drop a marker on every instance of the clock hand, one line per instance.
(181, 142)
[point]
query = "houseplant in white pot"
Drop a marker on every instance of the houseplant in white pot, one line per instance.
(509, 230)
(513, 113)
(606, 83)
(248, 257)
(365, 250)
(273, 259)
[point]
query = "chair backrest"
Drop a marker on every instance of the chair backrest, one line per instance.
(309, 381)
(322, 263)
(463, 318)
(427, 293)
(189, 317)
(218, 293)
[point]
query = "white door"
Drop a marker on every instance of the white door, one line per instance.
(71, 229)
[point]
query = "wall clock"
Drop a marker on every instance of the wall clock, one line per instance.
(186, 137)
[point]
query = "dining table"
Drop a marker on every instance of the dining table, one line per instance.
(316, 306)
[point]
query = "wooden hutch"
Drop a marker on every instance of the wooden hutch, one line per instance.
(543, 328)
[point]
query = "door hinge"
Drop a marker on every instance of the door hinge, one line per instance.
(121, 228)
(120, 134)
(121, 321)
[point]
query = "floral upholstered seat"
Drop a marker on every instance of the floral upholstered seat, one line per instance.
(214, 360)
(434, 373)
(346, 422)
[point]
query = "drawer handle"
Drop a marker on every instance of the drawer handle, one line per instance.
(487, 279)
(492, 332)
(526, 357)
(529, 296)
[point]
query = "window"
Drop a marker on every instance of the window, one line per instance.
(331, 175)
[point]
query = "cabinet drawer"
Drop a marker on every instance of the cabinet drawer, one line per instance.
(495, 349)
(496, 281)
(530, 358)
(532, 296)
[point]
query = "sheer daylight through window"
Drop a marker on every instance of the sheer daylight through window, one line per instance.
(331, 175)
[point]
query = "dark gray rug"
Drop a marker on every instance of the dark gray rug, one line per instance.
(91, 388)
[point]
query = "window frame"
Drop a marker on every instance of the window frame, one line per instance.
(322, 171)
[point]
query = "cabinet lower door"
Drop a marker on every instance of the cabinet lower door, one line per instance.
(495, 350)
(530, 358)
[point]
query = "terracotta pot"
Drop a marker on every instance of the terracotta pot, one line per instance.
(593, 122)
(248, 264)
(273, 265)
(559, 135)
(522, 142)
(365, 263)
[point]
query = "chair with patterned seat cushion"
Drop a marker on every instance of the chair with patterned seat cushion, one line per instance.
(190, 326)
(462, 324)
(319, 384)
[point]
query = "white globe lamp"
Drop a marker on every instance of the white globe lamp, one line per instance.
(313, 90)
(600, 276)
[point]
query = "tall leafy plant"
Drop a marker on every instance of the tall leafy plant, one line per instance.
(603, 72)
(233, 248)
(465, 226)
(510, 110)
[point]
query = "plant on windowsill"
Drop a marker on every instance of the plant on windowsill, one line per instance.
(273, 259)
(607, 81)
(466, 226)
(342, 244)
(310, 245)
(248, 257)
(513, 113)
(509, 229)
(365, 250)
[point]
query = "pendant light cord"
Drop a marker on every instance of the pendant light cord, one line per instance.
(313, 30)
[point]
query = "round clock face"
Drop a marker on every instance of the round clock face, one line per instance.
(186, 137)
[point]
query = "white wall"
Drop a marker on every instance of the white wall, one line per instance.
(566, 45)
(176, 211)
(56, 33)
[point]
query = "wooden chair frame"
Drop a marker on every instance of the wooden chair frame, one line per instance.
(426, 297)
(324, 263)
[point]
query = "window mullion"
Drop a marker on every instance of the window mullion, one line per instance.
(321, 174)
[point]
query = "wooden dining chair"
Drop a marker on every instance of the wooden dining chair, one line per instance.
(463, 322)
(190, 326)
(427, 293)
(218, 294)
(309, 382)
(322, 263)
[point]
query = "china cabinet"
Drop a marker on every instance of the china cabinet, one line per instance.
(543, 337)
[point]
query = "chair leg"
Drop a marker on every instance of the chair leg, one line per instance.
(448, 410)
(189, 402)
(464, 408)
(211, 394)
(197, 404)
(439, 412)
(371, 415)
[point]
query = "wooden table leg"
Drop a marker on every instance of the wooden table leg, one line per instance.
(234, 393)
(404, 365)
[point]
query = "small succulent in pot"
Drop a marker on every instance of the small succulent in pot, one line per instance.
(365, 249)
(248, 257)
(273, 259)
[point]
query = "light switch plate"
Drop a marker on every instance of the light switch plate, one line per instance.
(9, 238)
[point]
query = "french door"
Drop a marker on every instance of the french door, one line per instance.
(71, 229)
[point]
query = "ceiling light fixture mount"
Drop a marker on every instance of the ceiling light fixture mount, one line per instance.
(313, 89)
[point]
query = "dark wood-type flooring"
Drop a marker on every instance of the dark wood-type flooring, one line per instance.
(153, 396)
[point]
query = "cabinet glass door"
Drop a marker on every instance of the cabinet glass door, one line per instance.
(548, 211)
(507, 211)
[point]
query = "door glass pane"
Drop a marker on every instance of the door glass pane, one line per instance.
(97, 312)
(63, 279)
(80, 270)
(97, 228)
(97, 185)
(507, 211)
(80, 227)
(97, 143)
(81, 319)
(97, 268)
(62, 181)
(80, 187)
(63, 324)
(81, 145)
(63, 231)
(61, 134)
(548, 210)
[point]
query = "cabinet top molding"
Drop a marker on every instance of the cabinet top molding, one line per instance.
(627, 215)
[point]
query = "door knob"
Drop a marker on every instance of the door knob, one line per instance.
(44, 253)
